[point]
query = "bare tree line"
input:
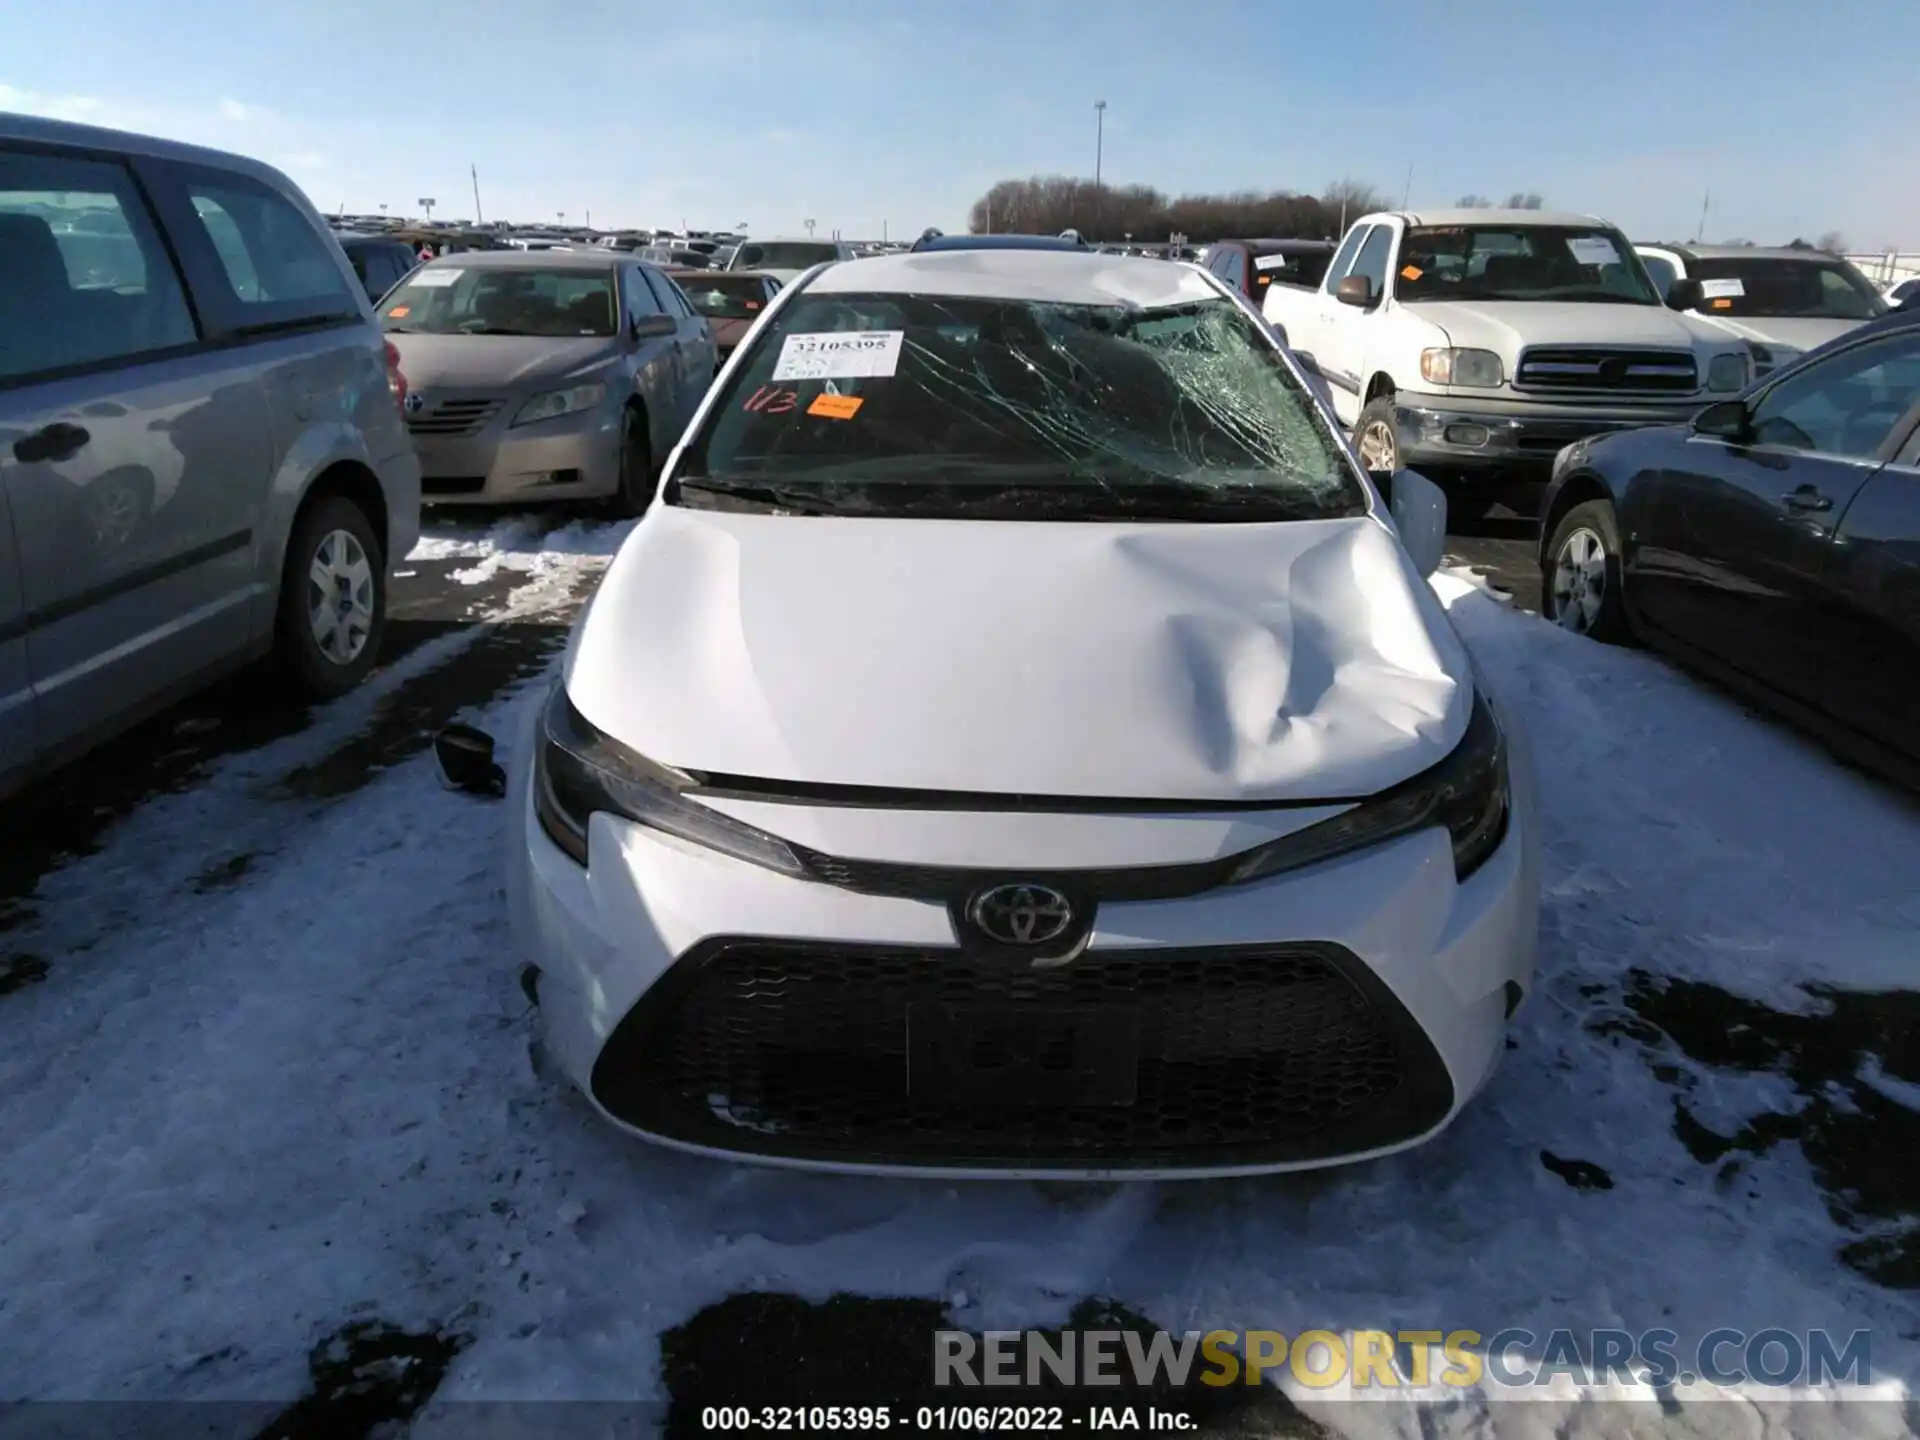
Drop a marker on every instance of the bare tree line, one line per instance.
(1048, 204)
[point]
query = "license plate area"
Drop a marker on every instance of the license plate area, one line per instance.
(1022, 1056)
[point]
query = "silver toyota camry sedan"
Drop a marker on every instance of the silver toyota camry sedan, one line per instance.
(546, 375)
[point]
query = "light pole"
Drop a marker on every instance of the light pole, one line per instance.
(809, 225)
(1099, 145)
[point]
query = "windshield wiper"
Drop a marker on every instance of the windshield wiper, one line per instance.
(801, 500)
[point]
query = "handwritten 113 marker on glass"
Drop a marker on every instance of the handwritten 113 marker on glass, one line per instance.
(854, 354)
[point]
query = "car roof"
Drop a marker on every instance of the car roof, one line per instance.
(792, 240)
(683, 272)
(533, 260)
(37, 130)
(999, 242)
(1749, 252)
(1489, 216)
(1281, 247)
(1070, 277)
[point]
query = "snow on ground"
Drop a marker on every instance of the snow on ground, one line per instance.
(259, 1112)
(517, 543)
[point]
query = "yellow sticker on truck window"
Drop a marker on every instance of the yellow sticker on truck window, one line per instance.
(399, 312)
(1723, 304)
(1411, 272)
(835, 407)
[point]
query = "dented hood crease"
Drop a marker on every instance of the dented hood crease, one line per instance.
(1228, 662)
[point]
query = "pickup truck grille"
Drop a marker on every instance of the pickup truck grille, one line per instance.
(454, 417)
(1647, 372)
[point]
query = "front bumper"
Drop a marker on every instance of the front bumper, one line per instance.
(1323, 1016)
(1512, 435)
(573, 457)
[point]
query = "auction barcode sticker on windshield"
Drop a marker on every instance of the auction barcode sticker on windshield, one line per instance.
(1593, 250)
(1722, 289)
(839, 355)
(435, 278)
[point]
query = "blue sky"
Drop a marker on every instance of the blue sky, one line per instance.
(1800, 118)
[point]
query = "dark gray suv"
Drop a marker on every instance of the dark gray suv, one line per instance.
(202, 456)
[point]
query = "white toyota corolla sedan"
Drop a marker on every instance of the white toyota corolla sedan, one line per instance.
(1019, 740)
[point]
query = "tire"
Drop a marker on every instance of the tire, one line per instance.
(1581, 584)
(1376, 428)
(326, 660)
(638, 468)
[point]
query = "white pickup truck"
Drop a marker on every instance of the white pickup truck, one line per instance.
(1474, 344)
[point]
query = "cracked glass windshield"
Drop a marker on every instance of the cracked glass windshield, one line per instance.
(979, 407)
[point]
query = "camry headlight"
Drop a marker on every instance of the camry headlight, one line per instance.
(1461, 367)
(554, 403)
(579, 769)
(1727, 372)
(1467, 792)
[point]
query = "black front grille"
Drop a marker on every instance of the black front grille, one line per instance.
(1567, 367)
(454, 417)
(1218, 1056)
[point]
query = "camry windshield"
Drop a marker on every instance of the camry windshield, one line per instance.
(1021, 409)
(783, 255)
(442, 299)
(1785, 289)
(1520, 262)
(725, 297)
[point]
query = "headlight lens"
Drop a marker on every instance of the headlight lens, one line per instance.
(1461, 367)
(1467, 792)
(1727, 372)
(578, 770)
(555, 403)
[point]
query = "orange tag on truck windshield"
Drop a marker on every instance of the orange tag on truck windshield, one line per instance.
(835, 407)
(399, 312)
(1411, 272)
(1723, 304)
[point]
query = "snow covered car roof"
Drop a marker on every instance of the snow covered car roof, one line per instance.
(1070, 277)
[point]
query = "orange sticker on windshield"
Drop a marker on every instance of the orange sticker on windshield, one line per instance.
(835, 407)
(1723, 304)
(1411, 272)
(399, 312)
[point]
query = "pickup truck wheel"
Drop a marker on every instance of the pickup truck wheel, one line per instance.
(1581, 584)
(1376, 436)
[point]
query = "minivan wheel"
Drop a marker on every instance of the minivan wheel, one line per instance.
(1580, 584)
(637, 470)
(333, 600)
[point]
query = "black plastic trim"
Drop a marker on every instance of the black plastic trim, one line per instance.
(137, 579)
(1421, 1099)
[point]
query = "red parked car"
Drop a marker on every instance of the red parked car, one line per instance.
(731, 300)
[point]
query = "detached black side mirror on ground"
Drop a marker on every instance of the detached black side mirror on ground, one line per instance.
(465, 756)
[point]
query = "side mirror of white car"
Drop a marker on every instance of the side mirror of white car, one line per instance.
(1419, 510)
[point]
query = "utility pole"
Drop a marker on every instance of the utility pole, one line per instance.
(883, 232)
(478, 218)
(589, 217)
(1406, 195)
(1099, 146)
(809, 225)
(1705, 200)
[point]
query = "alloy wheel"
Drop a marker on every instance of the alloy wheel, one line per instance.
(1379, 449)
(1579, 580)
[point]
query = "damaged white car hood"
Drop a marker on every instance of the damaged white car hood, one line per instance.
(1295, 661)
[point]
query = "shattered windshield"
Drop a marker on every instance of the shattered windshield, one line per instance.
(980, 407)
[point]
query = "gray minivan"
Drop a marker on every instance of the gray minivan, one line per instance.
(202, 455)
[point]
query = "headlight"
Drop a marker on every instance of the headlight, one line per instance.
(1461, 367)
(555, 403)
(1727, 372)
(1466, 792)
(578, 770)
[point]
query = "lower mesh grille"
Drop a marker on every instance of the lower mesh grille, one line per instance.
(1122, 1059)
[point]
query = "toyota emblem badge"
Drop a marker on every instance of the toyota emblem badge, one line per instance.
(1021, 914)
